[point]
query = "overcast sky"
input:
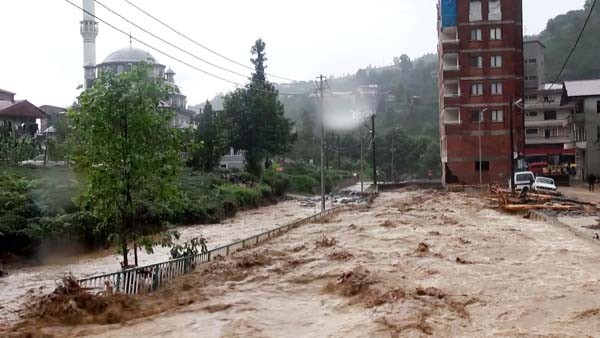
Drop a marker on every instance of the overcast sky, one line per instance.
(42, 54)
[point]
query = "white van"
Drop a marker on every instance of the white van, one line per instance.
(524, 179)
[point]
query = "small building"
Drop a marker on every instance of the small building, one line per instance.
(584, 124)
(233, 160)
(547, 127)
(18, 116)
(54, 113)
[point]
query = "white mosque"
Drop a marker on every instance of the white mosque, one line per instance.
(122, 60)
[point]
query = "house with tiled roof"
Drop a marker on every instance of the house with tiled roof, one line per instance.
(18, 115)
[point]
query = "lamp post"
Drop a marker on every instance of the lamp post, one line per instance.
(481, 116)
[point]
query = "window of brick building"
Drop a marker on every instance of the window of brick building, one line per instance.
(495, 10)
(497, 115)
(476, 116)
(476, 34)
(496, 33)
(482, 166)
(497, 88)
(476, 89)
(476, 61)
(475, 10)
(496, 61)
(531, 131)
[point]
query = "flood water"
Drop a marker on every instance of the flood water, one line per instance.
(21, 284)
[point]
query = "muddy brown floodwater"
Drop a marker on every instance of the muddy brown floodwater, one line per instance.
(417, 263)
(21, 284)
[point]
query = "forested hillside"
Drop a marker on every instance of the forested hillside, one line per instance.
(559, 36)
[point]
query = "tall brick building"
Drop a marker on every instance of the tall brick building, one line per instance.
(481, 70)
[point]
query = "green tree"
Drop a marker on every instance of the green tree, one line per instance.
(211, 138)
(127, 148)
(256, 115)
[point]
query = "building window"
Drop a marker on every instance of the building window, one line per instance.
(496, 61)
(497, 116)
(476, 116)
(532, 114)
(530, 78)
(495, 10)
(531, 61)
(475, 10)
(548, 133)
(550, 115)
(482, 166)
(496, 33)
(476, 61)
(531, 131)
(531, 98)
(476, 34)
(497, 88)
(598, 107)
(476, 89)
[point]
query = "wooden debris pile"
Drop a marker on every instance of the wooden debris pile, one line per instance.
(527, 200)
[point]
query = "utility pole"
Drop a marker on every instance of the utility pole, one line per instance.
(322, 108)
(374, 158)
(512, 146)
(392, 166)
(362, 173)
(339, 159)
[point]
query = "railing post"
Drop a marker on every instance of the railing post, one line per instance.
(227, 251)
(209, 256)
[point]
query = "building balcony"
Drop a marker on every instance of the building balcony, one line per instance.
(451, 116)
(451, 89)
(545, 123)
(449, 36)
(576, 145)
(547, 140)
(450, 62)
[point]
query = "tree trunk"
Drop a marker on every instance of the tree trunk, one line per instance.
(135, 248)
(124, 243)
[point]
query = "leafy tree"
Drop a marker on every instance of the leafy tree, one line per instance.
(127, 148)
(258, 124)
(211, 136)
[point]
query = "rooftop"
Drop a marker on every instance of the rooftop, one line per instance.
(6, 92)
(583, 88)
(129, 54)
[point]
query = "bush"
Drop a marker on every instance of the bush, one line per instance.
(303, 184)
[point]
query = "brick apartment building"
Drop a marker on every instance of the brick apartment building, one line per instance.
(481, 71)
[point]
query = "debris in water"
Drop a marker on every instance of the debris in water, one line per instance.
(325, 242)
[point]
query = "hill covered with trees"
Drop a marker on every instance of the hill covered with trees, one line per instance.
(559, 36)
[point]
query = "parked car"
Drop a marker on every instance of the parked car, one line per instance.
(544, 184)
(523, 179)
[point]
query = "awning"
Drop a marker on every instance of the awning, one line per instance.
(549, 151)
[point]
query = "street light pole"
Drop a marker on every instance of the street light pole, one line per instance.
(322, 108)
(481, 115)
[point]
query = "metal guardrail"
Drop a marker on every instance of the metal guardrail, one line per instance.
(151, 277)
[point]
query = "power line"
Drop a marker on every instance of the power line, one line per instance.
(168, 55)
(562, 69)
(199, 44)
(169, 43)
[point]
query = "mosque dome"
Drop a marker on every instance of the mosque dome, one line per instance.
(129, 55)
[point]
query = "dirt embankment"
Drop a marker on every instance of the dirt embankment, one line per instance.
(415, 264)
